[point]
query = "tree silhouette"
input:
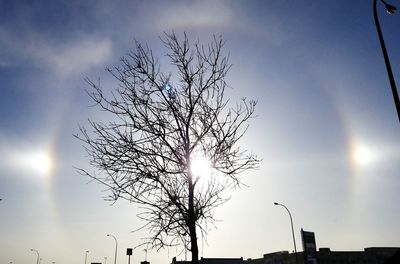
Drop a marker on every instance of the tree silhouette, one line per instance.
(161, 127)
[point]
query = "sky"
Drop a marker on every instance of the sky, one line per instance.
(327, 129)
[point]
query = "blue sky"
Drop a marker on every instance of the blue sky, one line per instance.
(327, 128)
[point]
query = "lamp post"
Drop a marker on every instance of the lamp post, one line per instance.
(116, 246)
(86, 253)
(291, 223)
(37, 252)
(390, 9)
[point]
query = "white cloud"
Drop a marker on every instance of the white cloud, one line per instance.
(76, 57)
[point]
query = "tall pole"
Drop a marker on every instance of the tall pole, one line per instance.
(116, 246)
(291, 223)
(390, 9)
(37, 252)
(86, 252)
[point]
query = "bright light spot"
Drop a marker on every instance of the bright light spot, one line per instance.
(167, 87)
(201, 166)
(363, 155)
(40, 162)
(31, 162)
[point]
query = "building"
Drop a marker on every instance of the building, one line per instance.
(372, 255)
(310, 255)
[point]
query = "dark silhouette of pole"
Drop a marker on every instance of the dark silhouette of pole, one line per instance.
(390, 9)
(116, 246)
(129, 253)
(37, 252)
(86, 252)
(291, 223)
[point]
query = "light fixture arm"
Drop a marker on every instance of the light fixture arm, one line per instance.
(37, 252)
(116, 247)
(390, 9)
(291, 224)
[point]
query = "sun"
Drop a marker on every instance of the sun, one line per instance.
(200, 166)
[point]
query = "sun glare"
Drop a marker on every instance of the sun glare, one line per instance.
(362, 155)
(40, 162)
(200, 166)
(37, 162)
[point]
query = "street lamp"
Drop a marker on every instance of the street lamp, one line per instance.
(116, 246)
(291, 223)
(86, 252)
(390, 9)
(37, 252)
(105, 260)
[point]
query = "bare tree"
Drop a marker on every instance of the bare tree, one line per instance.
(162, 126)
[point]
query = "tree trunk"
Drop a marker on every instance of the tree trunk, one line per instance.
(194, 247)
(192, 225)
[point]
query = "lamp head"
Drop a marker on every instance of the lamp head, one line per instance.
(275, 203)
(390, 9)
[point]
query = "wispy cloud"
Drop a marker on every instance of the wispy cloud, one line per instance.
(64, 58)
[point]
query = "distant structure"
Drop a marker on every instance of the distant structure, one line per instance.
(212, 261)
(309, 247)
(372, 255)
(310, 255)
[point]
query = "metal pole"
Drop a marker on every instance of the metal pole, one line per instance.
(116, 246)
(86, 252)
(291, 223)
(386, 57)
(37, 252)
